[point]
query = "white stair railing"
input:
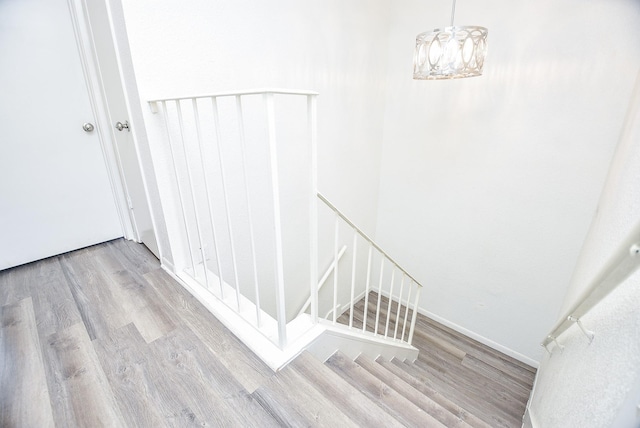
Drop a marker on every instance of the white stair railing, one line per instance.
(223, 159)
(224, 196)
(355, 282)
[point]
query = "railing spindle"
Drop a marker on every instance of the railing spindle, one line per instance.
(366, 289)
(240, 114)
(406, 312)
(395, 332)
(208, 197)
(216, 122)
(180, 195)
(275, 188)
(415, 316)
(379, 295)
(312, 113)
(353, 276)
(193, 198)
(393, 275)
(335, 268)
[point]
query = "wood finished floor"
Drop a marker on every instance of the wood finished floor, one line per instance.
(102, 337)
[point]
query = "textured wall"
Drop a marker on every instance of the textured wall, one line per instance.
(489, 185)
(588, 385)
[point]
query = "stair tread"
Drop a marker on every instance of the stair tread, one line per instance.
(351, 401)
(475, 382)
(293, 401)
(434, 394)
(519, 371)
(387, 398)
(478, 405)
(412, 394)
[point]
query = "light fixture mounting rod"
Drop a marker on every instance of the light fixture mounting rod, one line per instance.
(453, 11)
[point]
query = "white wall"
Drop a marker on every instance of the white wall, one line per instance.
(332, 47)
(488, 185)
(596, 385)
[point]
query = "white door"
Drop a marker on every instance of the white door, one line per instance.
(125, 146)
(55, 193)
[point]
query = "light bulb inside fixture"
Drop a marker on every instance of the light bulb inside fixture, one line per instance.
(451, 52)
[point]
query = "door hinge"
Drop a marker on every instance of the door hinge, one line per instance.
(129, 202)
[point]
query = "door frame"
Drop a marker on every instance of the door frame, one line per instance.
(88, 60)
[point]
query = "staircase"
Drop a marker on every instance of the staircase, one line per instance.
(455, 382)
(253, 262)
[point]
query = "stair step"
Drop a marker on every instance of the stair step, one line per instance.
(477, 405)
(293, 402)
(387, 398)
(352, 402)
(477, 385)
(432, 393)
(412, 394)
(507, 367)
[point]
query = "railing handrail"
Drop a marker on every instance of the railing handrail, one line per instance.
(619, 267)
(366, 237)
(237, 93)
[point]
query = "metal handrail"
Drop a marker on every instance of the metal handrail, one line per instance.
(619, 267)
(366, 237)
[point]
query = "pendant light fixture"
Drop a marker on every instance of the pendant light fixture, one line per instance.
(450, 53)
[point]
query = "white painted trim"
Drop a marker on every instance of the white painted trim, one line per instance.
(528, 420)
(490, 343)
(86, 52)
(257, 342)
(132, 101)
(354, 343)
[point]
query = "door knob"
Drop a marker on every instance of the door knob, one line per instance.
(120, 126)
(88, 127)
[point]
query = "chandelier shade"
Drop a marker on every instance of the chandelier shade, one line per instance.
(450, 53)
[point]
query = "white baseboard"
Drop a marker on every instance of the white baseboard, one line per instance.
(490, 343)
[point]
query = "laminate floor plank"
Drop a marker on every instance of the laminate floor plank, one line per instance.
(53, 301)
(495, 405)
(406, 390)
(135, 257)
(401, 408)
(478, 383)
(80, 392)
(518, 370)
(305, 404)
(22, 376)
(434, 394)
(214, 394)
(433, 381)
(100, 309)
(14, 283)
(144, 397)
(359, 408)
(139, 301)
(498, 376)
(502, 390)
(248, 369)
